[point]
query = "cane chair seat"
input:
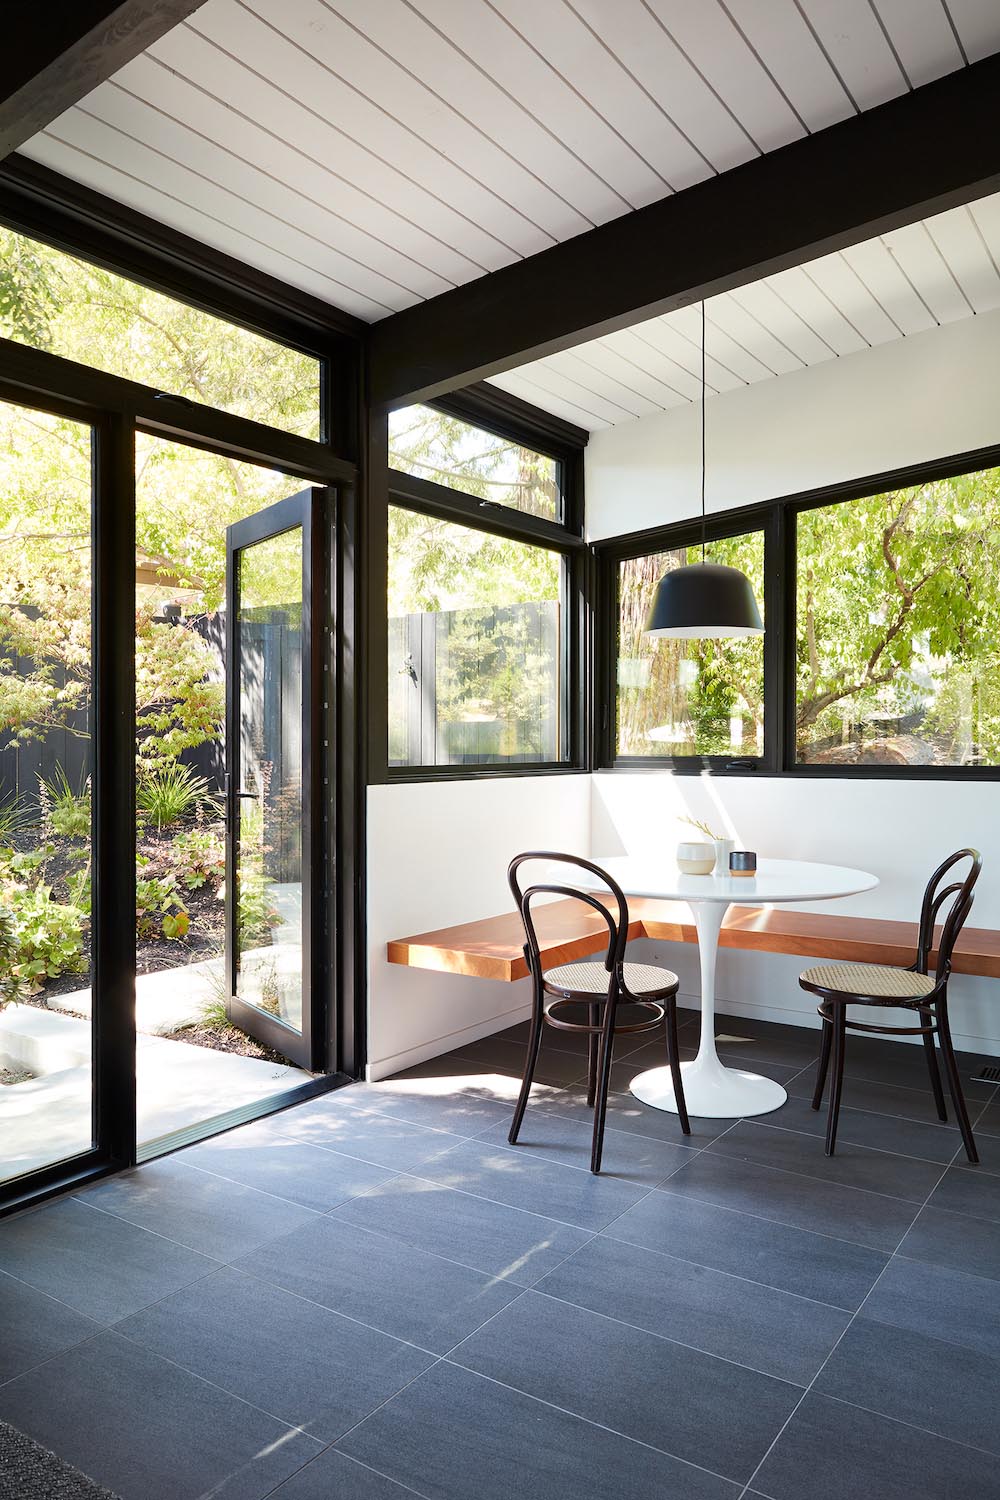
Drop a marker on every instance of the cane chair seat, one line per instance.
(594, 979)
(878, 982)
(844, 987)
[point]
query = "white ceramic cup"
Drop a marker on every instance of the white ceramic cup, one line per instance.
(696, 859)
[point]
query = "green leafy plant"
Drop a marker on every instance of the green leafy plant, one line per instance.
(49, 935)
(14, 817)
(11, 984)
(160, 908)
(198, 856)
(65, 810)
(167, 792)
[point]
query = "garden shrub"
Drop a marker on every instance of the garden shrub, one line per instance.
(159, 907)
(65, 811)
(167, 792)
(49, 935)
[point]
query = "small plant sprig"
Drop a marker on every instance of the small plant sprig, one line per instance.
(702, 828)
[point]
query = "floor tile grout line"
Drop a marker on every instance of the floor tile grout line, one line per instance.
(827, 1181)
(278, 1197)
(915, 1426)
(351, 1458)
(496, 1278)
(290, 1427)
(664, 1338)
(601, 1426)
(843, 1335)
(47, 1359)
(158, 1233)
(310, 1302)
(782, 1223)
(685, 1260)
(809, 1135)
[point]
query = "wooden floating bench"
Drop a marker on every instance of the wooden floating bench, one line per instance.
(493, 948)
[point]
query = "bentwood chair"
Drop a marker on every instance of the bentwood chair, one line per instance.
(914, 989)
(557, 993)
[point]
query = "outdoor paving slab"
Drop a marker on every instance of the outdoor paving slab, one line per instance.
(513, 1245)
(871, 1219)
(304, 1364)
(509, 1176)
(97, 1264)
(811, 1265)
(852, 1166)
(452, 1435)
(198, 1209)
(692, 1405)
(391, 1286)
(830, 1450)
(936, 1385)
(290, 1169)
(753, 1325)
(35, 1326)
(955, 1241)
(149, 1430)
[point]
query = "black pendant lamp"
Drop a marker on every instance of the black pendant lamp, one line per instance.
(704, 599)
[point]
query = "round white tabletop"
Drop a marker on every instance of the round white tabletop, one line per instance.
(711, 1089)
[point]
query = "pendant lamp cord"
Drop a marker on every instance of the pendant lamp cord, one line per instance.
(703, 430)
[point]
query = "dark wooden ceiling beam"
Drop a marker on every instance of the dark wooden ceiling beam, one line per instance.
(56, 51)
(927, 151)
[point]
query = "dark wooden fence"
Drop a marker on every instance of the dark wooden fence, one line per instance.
(475, 686)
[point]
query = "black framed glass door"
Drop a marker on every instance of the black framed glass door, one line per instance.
(276, 953)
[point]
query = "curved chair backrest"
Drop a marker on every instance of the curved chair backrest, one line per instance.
(959, 894)
(524, 896)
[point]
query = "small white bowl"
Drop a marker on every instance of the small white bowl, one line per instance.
(696, 859)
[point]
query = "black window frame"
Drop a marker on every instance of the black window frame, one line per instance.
(41, 204)
(777, 518)
(503, 415)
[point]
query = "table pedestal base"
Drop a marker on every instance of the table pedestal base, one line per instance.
(711, 1090)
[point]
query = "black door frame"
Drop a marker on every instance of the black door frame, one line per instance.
(312, 512)
(116, 410)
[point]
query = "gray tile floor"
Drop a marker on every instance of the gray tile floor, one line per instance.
(372, 1295)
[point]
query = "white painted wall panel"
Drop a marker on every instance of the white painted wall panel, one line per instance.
(438, 854)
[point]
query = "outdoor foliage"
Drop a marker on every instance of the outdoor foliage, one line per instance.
(166, 793)
(496, 606)
(688, 697)
(434, 446)
(899, 620)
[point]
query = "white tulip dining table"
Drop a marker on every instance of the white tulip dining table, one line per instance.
(710, 1088)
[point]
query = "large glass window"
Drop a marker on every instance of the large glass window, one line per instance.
(46, 1110)
(898, 642)
(432, 445)
(475, 646)
(53, 301)
(688, 697)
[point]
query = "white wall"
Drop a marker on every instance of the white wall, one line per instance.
(438, 854)
(919, 398)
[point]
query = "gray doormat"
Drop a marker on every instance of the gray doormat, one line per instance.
(30, 1472)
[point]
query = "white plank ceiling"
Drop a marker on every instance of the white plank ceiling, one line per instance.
(932, 272)
(378, 152)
